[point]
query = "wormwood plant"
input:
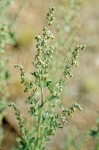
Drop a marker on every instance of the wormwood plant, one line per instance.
(44, 94)
(6, 37)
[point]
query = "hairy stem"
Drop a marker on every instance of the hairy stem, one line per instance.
(39, 119)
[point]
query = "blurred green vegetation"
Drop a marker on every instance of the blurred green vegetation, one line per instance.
(25, 38)
(92, 85)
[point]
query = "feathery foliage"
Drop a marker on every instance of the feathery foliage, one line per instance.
(43, 107)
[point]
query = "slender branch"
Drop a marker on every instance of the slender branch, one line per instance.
(39, 119)
(47, 99)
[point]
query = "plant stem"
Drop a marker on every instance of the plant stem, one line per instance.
(39, 119)
(43, 102)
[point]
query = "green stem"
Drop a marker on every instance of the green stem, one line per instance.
(39, 119)
(52, 93)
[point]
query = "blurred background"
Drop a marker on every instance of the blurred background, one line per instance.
(77, 22)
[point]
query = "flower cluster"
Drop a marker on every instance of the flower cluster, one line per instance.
(73, 61)
(24, 80)
(44, 50)
(69, 111)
